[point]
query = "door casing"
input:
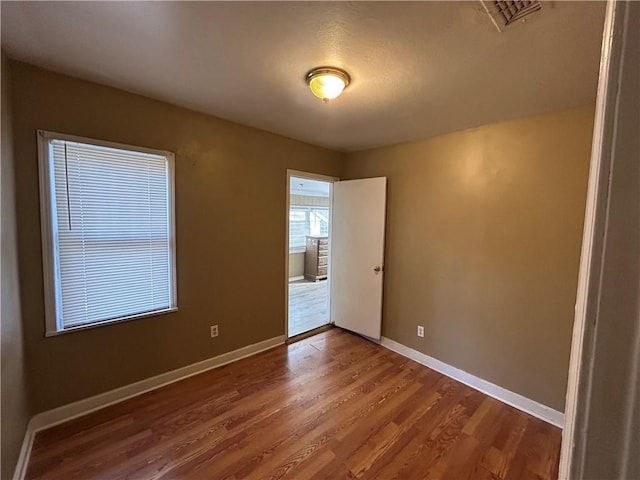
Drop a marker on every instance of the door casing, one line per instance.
(310, 176)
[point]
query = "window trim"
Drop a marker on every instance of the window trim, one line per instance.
(307, 209)
(51, 270)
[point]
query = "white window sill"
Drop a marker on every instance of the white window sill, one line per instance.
(110, 322)
(296, 250)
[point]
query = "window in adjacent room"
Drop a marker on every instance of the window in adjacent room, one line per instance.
(305, 221)
(107, 230)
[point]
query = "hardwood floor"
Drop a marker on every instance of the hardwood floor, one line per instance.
(307, 306)
(332, 406)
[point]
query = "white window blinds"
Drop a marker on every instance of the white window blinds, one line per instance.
(112, 232)
(305, 221)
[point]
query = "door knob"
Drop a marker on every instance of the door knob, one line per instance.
(377, 269)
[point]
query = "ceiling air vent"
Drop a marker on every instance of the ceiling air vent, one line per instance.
(506, 12)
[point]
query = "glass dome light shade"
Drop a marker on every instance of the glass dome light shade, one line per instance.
(327, 83)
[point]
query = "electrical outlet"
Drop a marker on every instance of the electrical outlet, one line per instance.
(214, 331)
(420, 331)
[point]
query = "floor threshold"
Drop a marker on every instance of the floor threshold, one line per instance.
(310, 333)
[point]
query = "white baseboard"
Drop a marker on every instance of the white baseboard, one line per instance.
(516, 400)
(70, 411)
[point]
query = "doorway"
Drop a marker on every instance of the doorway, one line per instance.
(334, 263)
(309, 201)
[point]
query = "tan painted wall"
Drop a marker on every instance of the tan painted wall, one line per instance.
(15, 413)
(483, 242)
(296, 264)
(230, 204)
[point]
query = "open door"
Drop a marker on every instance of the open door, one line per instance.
(357, 258)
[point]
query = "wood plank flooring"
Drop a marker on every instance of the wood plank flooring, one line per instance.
(307, 306)
(333, 406)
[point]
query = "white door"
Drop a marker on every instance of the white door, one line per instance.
(357, 254)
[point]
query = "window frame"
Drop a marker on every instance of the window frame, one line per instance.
(308, 209)
(50, 248)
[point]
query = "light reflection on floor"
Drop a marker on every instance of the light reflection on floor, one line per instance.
(308, 304)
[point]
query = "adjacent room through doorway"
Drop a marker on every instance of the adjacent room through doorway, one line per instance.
(309, 231)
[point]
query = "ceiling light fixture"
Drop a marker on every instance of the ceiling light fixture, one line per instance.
(327, 82)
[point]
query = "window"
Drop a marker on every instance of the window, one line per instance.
(305, 221)
(107, 229)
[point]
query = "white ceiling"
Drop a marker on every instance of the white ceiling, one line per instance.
(418, 69)
(307, 186)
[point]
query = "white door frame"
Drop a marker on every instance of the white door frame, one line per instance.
(310, 176)
(579, 386)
